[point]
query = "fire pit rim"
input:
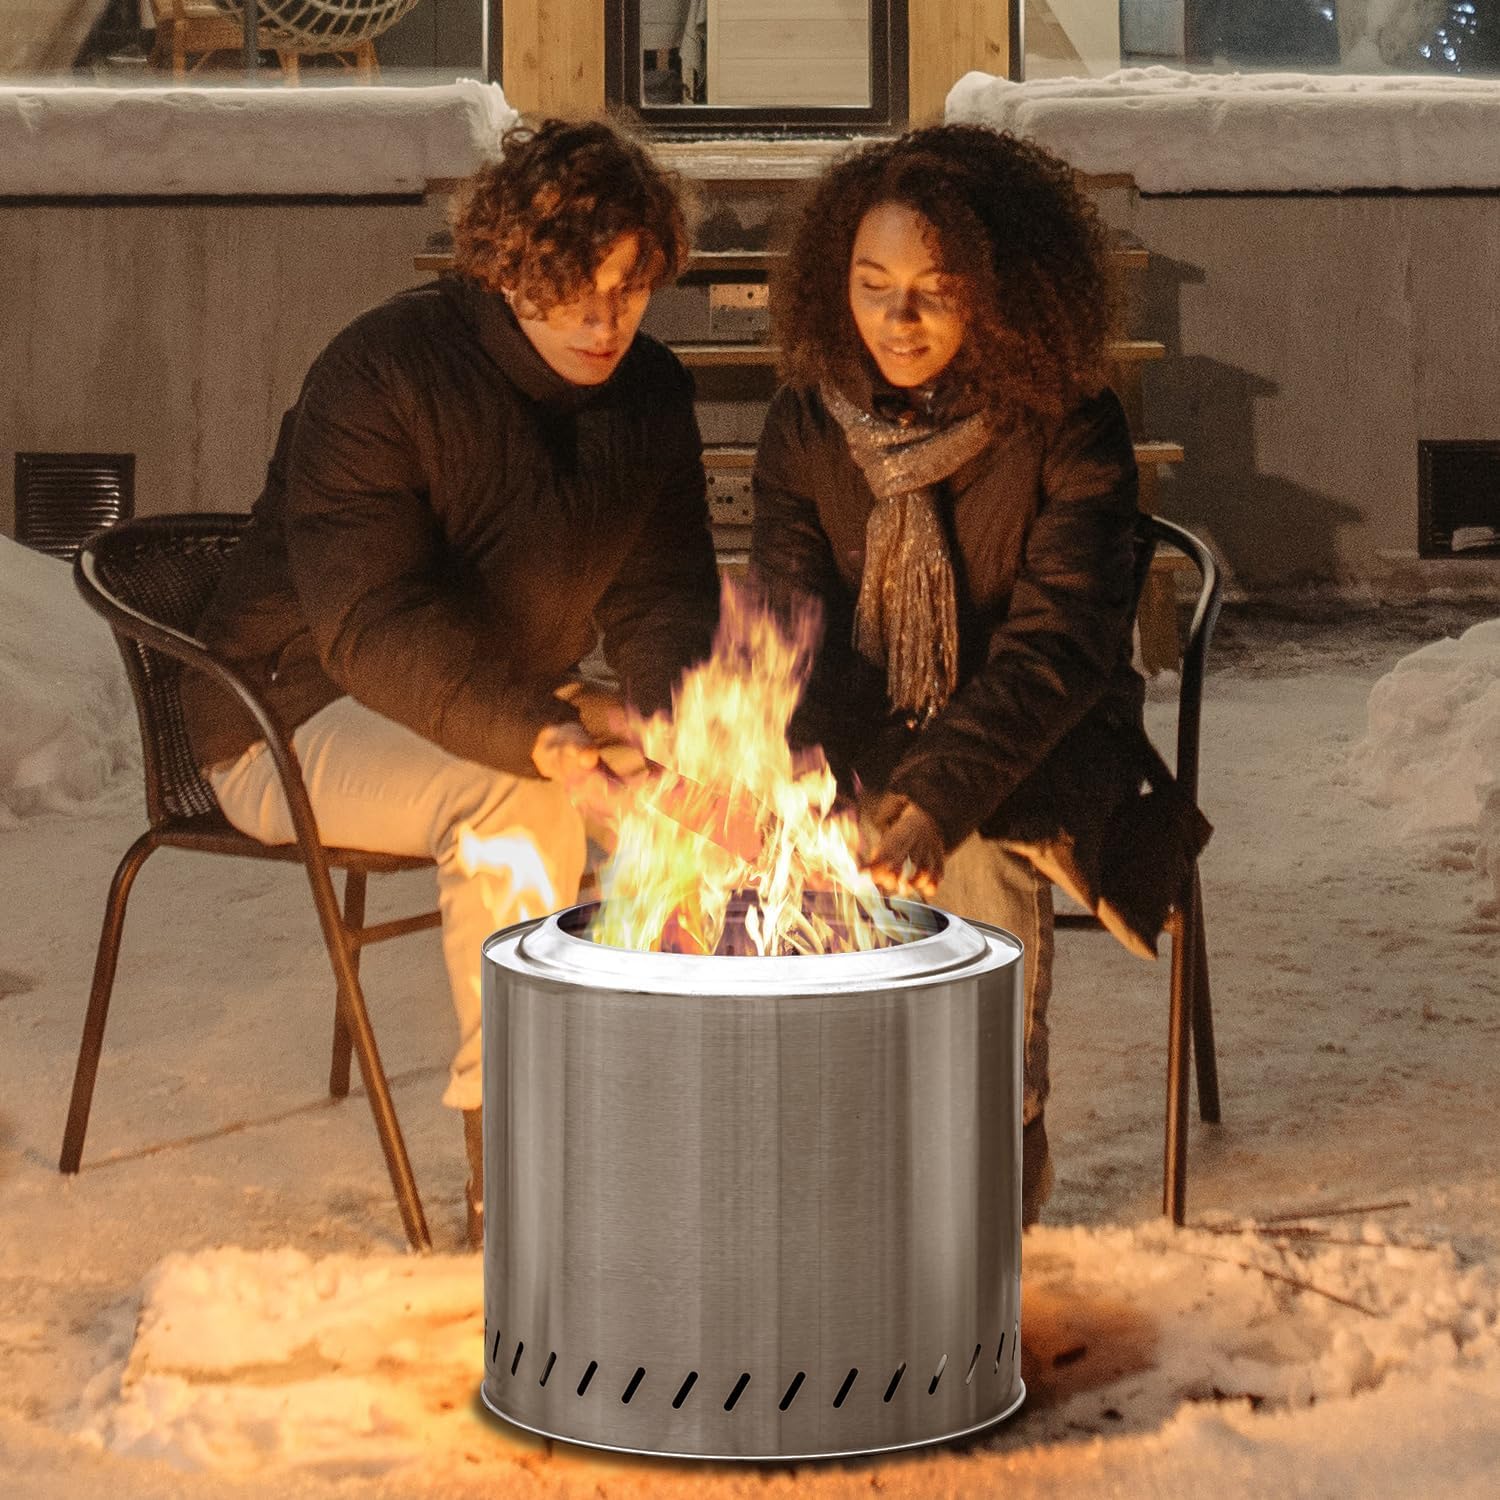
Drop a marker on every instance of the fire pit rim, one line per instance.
(544, 950)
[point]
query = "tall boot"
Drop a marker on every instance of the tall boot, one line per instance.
(474, 1188)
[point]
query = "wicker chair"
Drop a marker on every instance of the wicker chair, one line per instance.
(151, 580)
(203, 30)
(1191, 1024)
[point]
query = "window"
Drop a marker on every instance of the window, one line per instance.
(304, 42)
(1089, 38)
(696, 64)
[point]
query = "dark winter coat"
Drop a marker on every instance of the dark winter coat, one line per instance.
(1042, 742)
(446, 526)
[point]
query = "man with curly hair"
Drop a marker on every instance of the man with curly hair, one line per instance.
(479, 480)
(947, 475)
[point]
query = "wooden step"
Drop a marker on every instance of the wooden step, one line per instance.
(729, 456)
(707, 356)
(711, 262)
(1158, 452)
(742, 455)
(1136, 351)
(700, 356)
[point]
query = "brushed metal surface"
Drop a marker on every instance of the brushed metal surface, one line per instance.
(816, 1175)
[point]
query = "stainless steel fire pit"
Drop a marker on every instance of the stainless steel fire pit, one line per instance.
(752, 1207)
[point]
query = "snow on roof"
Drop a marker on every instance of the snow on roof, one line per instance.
(57, 140)
(1177, 132)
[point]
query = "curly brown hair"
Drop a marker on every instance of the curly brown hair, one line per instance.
(1025, 248)
(539, 221)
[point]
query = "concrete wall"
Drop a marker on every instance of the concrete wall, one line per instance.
(1311, 341)
(180, 333)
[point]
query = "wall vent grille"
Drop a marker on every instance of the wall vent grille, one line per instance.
(1458, 498)
(62, 499)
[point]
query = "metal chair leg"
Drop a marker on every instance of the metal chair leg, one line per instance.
(98, 1012)
(1204, 1056)
(397, 1162)
(1179, 1045)
(354, 918)
(351, 1003)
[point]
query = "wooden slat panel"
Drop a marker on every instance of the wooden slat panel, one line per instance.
(948, 38)
(553, 56)
(793, 82)
(777, 52)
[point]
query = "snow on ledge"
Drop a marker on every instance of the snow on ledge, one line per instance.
(60, 141)
(1177, 132)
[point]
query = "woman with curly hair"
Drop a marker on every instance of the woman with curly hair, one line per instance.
(479, 479)
(947, 475)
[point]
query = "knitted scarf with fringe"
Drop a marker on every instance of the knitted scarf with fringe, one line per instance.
(907, 615)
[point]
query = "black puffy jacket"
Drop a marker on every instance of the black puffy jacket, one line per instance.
(446, 527)
(1043, 741)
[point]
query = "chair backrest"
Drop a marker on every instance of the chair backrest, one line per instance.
(1151, 532)
(151, 579)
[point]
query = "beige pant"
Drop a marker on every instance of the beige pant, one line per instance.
(984, 880)
(376, 785)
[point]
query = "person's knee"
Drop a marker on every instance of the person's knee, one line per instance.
(532, 811)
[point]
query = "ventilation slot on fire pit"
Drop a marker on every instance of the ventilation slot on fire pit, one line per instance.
(841, 1397)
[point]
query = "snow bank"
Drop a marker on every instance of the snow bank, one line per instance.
(1177, 132)
(246, 1362)
(68, 724)
(1432, 749)
(347, 140)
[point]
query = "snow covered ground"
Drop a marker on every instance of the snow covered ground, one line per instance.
(219, 1305)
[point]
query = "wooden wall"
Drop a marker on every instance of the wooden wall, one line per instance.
(181, 332)
(553, 53)
(947, 39)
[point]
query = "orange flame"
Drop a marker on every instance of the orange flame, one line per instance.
(670, 887)
(519, 887)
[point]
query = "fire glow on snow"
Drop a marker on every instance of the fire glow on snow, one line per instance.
(246, 1360)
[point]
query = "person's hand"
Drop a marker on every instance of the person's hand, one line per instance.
(601, 780)
(566, 753)
(908, 853)
(601, 711)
